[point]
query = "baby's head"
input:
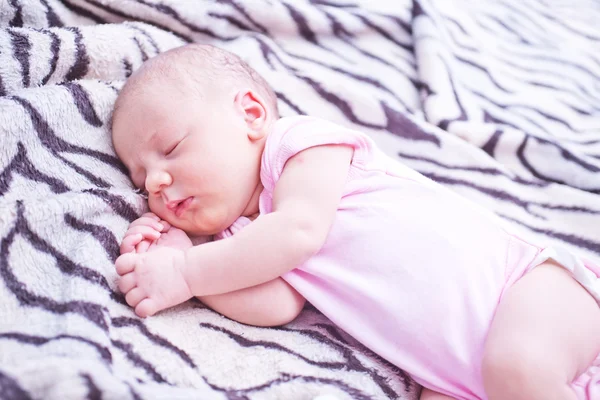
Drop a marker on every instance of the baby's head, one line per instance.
(190, 125)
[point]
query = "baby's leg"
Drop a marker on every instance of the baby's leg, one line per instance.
(545, 333)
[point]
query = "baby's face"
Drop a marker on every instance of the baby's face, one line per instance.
(192, 155)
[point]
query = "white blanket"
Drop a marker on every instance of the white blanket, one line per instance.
(498, 100)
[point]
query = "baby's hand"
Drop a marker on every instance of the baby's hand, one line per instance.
(171, 237)
(153, 281)
(150, 232)
(142, 233)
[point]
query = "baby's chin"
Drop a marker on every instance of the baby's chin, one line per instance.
(199, 222)
(195, 225)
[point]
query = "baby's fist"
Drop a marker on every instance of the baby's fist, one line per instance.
(153, 281)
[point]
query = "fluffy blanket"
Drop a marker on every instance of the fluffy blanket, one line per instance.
(498, 100)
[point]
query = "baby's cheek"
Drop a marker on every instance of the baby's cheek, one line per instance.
(157, 208)
(216, 219)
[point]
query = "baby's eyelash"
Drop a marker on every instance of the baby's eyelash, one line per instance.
(169, 151)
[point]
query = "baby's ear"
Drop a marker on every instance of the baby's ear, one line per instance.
(254, 110)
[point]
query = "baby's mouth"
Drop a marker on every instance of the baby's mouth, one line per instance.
(179, 206)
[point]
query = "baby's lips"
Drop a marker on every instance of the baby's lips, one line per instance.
(171, 205)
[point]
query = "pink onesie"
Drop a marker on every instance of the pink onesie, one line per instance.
(410, 269)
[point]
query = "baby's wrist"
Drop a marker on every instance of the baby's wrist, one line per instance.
(189, 269)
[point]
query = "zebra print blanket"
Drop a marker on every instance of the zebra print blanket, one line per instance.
(498, 100)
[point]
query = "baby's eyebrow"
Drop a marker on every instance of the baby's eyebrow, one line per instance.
(156, 139)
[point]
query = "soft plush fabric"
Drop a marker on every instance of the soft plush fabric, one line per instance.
(497, 100)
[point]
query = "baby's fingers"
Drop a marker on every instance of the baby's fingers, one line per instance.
(149, 222)
(146, 232)
(127, 282)
(129, 242)
(143, 246)
(146, 308)
(134, 296)
(150, 215)
(126, 263)
(166, 226)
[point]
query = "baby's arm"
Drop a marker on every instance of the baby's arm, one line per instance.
(305, 202)
(252, 306)
(272, 303)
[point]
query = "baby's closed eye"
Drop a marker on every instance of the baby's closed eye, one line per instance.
(171, 149)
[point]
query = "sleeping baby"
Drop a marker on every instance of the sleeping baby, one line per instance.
(304, 209)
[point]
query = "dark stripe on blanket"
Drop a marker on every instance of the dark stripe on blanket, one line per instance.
(83, 12)
(147, 36)
(83, 103)
(39, 341)
(484, 171)
(484, 70)
(267, 52)
(91, 177)
(57, 145)
(138, 361)
(338, 29)
(567, 155)
(287, 101)
(120, 322)
(90, 311)
(17, 20)
(245, 342)
(337, 101)
(406, 380)
(240, 8)
(23, 166)
(333, 4)
(82, 61)
(400, 125)
(103, 235)
(462, 115)
(360, 78)
(11, 390)
(128, 67)
(303, 27)
(21, 46)
(231, 20)
(352, 362)
(354, 393)
(560, 23)
(51, 17)
(514, 108)
(55, 50)
(406, 46)
(175, 15)
(118, 204)
(126, 16)
(134, 394)
(501, 195)
(405, 25)
(64, 263)
(143, 53)
(490, 146)
(573, 239)
(94, 393)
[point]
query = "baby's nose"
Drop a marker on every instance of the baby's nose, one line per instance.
(157, 181)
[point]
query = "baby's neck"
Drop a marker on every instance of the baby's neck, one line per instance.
(253, 216)
(252, 210)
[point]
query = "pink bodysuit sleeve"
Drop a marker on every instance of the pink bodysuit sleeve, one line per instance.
(295, 134)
